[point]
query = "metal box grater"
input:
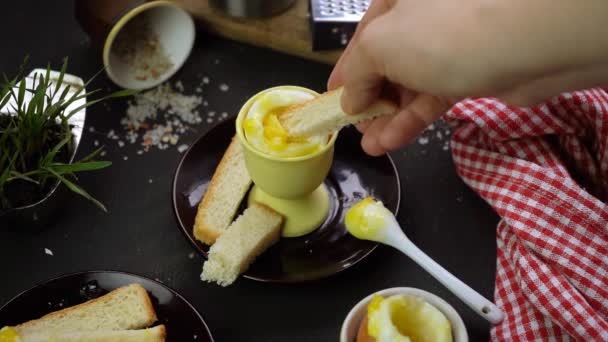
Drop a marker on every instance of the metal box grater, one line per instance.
(333, 22)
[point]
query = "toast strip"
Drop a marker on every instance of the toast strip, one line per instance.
(228, 186)
(248, 236)
(324, 115)
(156, 334)
(125, 308)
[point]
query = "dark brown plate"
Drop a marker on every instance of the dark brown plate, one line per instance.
(327, 250)
(181, 319)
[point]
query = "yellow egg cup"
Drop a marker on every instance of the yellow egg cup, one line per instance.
(291, 186)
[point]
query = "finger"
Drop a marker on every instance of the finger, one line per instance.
(411, 121)
(375, 9)
(541, 89)
(370, 141)
(362, 126)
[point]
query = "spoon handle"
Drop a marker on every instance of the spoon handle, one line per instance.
(472, 298)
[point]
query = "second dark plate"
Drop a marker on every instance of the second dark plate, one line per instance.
(327, 250)
(182, 320)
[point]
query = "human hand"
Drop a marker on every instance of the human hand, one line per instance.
(431, 53)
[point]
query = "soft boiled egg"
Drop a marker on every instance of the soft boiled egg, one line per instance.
(8, 334)
(264, 131)
(403, 318)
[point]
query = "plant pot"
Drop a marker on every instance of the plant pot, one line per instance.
(40, 213)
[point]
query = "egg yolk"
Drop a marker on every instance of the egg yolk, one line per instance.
(366, 219)
(265, 132)
(402, 318)
(8, 334)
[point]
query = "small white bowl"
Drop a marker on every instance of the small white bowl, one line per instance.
(176, 32)
(353, 320)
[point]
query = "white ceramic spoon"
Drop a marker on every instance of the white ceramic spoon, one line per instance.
(370, 220)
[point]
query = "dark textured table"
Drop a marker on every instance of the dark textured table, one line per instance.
(139, 234)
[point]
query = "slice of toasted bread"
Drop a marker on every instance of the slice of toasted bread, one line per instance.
(247, 237)
(156, 334)
(324, 115)
(228, 186)
(125, 308)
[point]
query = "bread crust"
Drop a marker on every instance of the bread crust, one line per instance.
(202, 231)
(140, 290)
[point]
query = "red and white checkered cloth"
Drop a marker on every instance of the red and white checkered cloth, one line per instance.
(545, 171)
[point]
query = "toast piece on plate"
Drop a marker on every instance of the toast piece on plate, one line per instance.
(155, 334)
(324, 115)
(125, 308)
(228, 186)
(248, 236)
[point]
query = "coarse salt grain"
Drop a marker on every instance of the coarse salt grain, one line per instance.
(48, 252)
(206, 80)
(121, 143)
(423, 140)
(96, 143)
(125, 158)
(182, 148)
(224, 87)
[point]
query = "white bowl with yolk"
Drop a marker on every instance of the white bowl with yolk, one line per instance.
(350, 326)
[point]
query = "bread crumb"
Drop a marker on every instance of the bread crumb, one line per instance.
(48, 252)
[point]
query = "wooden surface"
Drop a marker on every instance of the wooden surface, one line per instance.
(287, 32)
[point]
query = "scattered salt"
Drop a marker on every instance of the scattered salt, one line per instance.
(211, 114)
(96, 143)
(140, 152)
(179, 86)
(217, 61)
(91, 129)
(423, 140)
(205, 103)
(103, 153)
(206, 80)
(209, 120)
(198, 90)
(121, 143)
(224, 87)
(48, 252)
(224, 115)
(182, 148)
(150, 180)
(191, 255)
(125, 158)
(439, 135)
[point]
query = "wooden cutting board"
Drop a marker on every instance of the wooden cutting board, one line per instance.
(287, 32)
